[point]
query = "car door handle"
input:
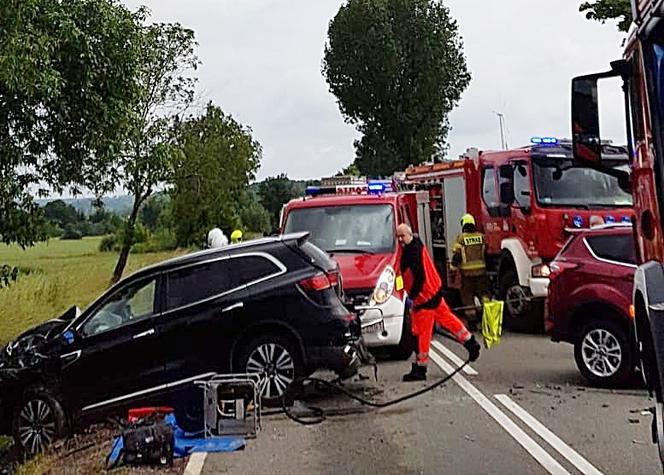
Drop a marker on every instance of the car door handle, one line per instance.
(233, 307)
(144, 334)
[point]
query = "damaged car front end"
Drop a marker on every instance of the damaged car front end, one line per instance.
(30, 406)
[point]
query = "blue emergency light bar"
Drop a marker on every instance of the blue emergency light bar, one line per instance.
(544, 141)
(373, 187)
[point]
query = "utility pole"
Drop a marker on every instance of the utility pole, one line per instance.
(501, 122)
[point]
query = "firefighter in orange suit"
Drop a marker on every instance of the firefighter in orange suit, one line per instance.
(424, 288)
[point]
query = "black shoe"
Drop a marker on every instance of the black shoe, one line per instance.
(417, 373)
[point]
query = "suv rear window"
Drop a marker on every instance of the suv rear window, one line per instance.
(252, 268)
(199, 282)
(618, 248)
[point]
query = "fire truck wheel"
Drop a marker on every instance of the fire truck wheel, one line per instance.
(520, 315)
(407, 343)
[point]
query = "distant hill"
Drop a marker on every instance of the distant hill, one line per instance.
(120, 205)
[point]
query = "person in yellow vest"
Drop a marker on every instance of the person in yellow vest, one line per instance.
(236, 236)
(468, 256)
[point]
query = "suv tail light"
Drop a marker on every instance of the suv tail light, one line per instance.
(558, 267)
(319, 282)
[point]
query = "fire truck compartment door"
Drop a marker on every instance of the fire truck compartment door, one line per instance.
(424, 219)
(454, 207)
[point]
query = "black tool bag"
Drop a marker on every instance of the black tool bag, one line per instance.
(151, 444)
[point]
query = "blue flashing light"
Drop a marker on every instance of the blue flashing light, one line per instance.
(312, 190)
(544, 141)
(609, 219)
(376, 187)
(577, 221)
(626, 220)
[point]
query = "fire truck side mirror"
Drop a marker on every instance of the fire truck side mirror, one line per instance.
(586, 139)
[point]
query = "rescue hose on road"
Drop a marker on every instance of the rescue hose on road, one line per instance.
(318, 415)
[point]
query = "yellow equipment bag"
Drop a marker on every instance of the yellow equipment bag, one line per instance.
(492, 322)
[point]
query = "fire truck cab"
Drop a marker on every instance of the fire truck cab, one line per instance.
(526, 201)
(355, 221)
(642, 74)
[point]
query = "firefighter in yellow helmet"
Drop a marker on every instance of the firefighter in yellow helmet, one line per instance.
(468, 256)
(236, 236)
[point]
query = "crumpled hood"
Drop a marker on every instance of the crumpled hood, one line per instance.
(362, 271)
(26, 349)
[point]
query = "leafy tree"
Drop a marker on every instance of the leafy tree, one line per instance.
(61, 213)
(603, 10)
(153, 209)
(253, 215)
(72, 232)
(165, 90)
(350, 170)
(397, 68)
(274, 192)
(66, 85)
(218, 159)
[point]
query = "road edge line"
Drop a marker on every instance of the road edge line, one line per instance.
(454, 358)
(195, 463)
(550, 464)
(552, 439)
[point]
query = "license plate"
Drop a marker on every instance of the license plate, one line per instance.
(377, 327)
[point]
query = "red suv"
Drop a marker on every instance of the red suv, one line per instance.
(589, 302)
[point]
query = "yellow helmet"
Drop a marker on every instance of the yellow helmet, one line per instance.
(236, 236)
(467, 219)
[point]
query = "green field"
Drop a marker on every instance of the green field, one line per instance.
(56, 275)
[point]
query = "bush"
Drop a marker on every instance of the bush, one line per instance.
(162, 240)
(71, 232)
(108, 243)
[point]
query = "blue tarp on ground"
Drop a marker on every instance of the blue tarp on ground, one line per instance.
(187, 444)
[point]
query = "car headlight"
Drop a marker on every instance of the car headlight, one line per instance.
(384, 287)
(541, 270)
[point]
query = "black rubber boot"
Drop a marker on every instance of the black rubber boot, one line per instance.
(417, 373)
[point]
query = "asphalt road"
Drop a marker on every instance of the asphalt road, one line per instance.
(527, 410)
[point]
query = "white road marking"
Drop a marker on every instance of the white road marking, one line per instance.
(538, 453)
(195, 464)
(454, 358)
(552, 439)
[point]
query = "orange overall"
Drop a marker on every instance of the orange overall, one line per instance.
(424, 288)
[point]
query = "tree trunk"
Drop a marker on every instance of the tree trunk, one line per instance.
(128, 241)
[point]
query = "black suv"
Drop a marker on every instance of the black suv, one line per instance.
(269, 306)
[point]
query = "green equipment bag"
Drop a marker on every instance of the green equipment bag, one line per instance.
(492, 322)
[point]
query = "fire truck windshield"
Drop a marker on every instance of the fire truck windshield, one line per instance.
(564, 184)
(362, 229)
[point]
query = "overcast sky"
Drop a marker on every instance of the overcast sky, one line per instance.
(262, 60)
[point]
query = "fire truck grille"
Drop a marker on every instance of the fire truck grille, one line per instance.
(358, 297)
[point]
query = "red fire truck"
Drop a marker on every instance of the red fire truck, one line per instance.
(526, 201)
(642, 72)
(355, 221)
